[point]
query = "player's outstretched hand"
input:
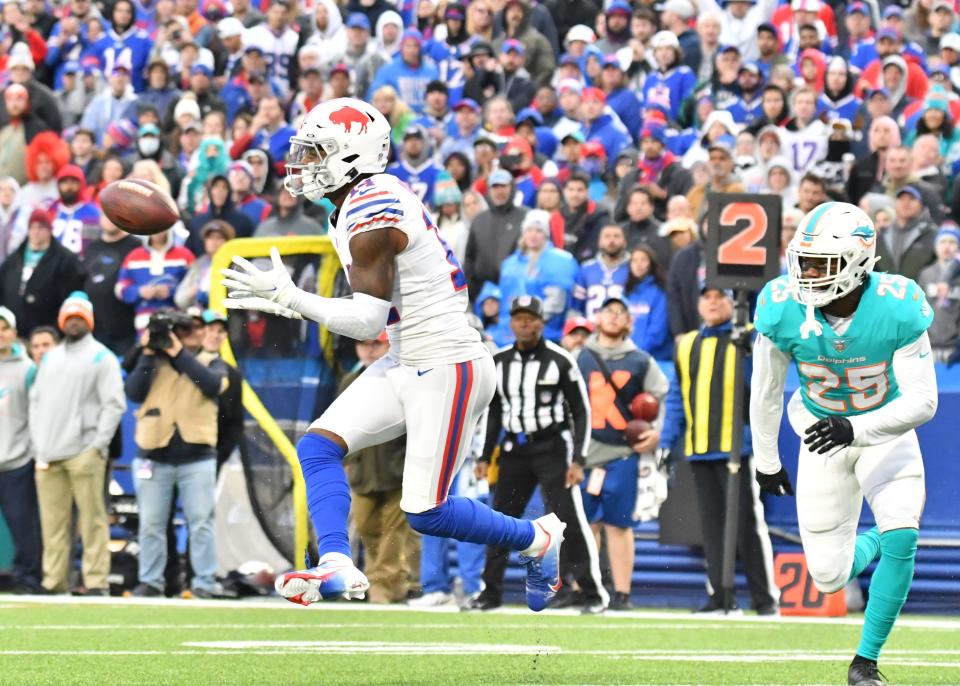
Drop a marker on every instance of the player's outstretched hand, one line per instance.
(273, 284)
(775, 484)
(829, 433)
(245, 301)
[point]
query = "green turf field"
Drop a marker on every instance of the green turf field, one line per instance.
(108, 641)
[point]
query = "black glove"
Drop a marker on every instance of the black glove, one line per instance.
(775, 484)
(829, 433)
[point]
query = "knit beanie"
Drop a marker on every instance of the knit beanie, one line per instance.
(445, 190)
(77, 304)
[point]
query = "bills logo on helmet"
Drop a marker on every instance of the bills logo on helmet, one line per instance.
(348, 116)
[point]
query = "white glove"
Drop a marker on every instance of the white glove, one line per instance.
(274, 285)
(239, 300)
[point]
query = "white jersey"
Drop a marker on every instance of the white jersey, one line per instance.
(427, 323)
(807, 147)
(278, 51)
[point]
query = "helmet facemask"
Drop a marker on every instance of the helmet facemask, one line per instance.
(309, 171)
(844, 273)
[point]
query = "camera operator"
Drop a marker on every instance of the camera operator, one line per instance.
(178, 384)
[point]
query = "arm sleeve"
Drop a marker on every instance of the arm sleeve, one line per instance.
(916, 404)
(112, 402)
(212, 380)
(575, 393)
(138, 381)
(675, 421)
(766, 403)
(361, 317)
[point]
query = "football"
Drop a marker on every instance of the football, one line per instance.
(645, 406)
(139, 207)
(634, 428)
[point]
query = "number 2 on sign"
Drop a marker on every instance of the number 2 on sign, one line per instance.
(742, 248)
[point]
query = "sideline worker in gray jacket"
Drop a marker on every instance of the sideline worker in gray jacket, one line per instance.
(76, 404)
(18, 494)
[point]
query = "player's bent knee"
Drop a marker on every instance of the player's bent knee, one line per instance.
(829, 574)
(431, 522)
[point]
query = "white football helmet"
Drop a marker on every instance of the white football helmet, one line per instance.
(844, 236)
(338, 141)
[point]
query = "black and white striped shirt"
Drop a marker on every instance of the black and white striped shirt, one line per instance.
(540, 390)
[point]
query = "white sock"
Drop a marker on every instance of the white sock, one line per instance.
(540, 539)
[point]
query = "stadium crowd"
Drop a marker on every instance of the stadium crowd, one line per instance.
(566, 147)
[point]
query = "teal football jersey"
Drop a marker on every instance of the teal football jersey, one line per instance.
(852, 373)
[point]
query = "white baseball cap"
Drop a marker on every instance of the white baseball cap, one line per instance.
(230, 27)
(8, 316)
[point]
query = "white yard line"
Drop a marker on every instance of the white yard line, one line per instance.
(612, 617)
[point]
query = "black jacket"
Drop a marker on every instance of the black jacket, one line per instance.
(581, 229)
(917, 253)
(43, 103)
(568, 13)
(863, 175)
(493, 238)
(674, 179)
(58, 274)
(683, 289)
(647, 232)
(229, 213)
(230, 416)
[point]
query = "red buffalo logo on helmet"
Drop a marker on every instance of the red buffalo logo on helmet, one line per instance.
(347, 116)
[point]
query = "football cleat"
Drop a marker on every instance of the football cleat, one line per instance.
(864, 672)
(334, 577)
(543, 564)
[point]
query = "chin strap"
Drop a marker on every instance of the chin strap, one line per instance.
(810, 324)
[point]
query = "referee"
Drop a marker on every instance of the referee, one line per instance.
(540, 418)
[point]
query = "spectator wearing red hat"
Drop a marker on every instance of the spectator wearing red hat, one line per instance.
(517, 158)
(576, 330)
(601, 125)
(538, 54)
(76, 223)
(38, 276)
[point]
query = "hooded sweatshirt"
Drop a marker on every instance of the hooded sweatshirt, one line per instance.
(229, 213)
(17, 373)
(789, 195)
(409, 80)
(843, 104)
(493, 237)
(76, 401)
(608, 443)
(332, 40)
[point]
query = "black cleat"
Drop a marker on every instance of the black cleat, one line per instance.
(481, 603)
(566, 598)
(864, 672)
(593, 608)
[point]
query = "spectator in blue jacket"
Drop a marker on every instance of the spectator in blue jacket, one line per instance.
(673, 81)
(487, 309)
(124, 41)
(408, 73)
(601, 125)
(647, 300)
(160, 91)
(537, 268)
(150, 276)
(622, 100)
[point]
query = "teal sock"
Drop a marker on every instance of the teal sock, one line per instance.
(867, 550)
(888, 589)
